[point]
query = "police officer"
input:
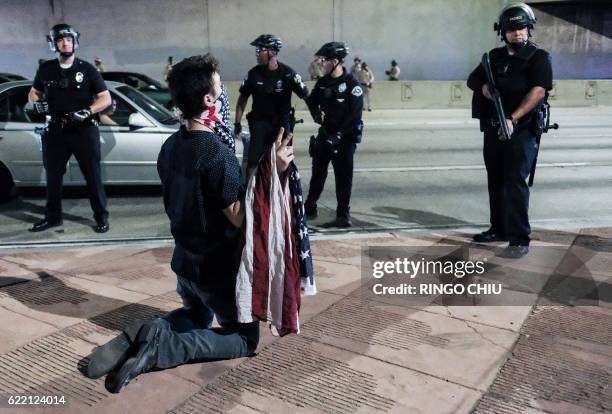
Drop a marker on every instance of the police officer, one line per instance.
(73, 92)
(271, 84)
(336, 103)
(523, 76)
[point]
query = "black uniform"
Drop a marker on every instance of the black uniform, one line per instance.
(70, 90)
(271, 92)
(509, 162)
(341, 99)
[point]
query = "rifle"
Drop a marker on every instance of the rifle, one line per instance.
(542, 127)
(499, 109)
(292, 122)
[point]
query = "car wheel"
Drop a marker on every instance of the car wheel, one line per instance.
(7, 186)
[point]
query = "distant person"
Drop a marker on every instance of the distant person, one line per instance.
(106, 114)
(394, 72)
(168, 68)
(99, 64)
(315, 71)
(366, 79)
(356, 67)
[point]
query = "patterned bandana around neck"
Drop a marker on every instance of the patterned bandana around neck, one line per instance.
(221, 114)
(211, 117)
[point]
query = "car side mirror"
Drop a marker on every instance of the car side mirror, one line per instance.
(137, 120)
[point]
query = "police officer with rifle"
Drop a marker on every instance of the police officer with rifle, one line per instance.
(510, 98)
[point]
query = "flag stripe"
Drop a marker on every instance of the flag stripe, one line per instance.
(276, 266)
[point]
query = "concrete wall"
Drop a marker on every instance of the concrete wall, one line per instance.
(431, 39)
(456, 94)
(578, 36)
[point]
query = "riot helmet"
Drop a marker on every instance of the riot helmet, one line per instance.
(60, 31)
(267, 42)
(514, 17)
(333, 50)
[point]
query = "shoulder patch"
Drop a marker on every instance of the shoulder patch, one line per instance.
(357, 91)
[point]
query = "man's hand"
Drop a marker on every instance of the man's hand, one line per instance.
(486, 92)
(510, 126)
(237, 129)
(284, 152)
(81, 116)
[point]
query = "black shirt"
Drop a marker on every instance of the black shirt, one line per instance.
(200, 177)
(68, 90)
(271, 90)
(341, 99)
(515, 75)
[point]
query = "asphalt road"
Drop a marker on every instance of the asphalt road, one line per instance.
(418, 170)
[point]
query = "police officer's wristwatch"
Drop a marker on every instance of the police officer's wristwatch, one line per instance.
(513, 120)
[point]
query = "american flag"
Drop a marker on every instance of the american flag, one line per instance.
(276, 265)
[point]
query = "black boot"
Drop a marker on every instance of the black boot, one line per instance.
(488, 236)
(45, 224)
(113, 353)
(144, 360)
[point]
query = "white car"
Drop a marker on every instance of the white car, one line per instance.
(132, 131)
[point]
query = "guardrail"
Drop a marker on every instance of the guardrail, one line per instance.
(408, 94)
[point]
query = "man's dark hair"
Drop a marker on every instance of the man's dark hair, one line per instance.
(191, 79)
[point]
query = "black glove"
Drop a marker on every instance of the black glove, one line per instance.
(38, 107)
(237, 128)
(81, 116)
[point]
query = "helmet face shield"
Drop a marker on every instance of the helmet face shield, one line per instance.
(61, 31)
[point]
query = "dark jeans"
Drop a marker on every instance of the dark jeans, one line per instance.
(187, 335)
(508, 165)
(58, 145)
(342, 162)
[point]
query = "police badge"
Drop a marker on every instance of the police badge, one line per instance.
(79, 77)
(342, 87)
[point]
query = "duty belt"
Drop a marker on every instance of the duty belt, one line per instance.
(62, 121)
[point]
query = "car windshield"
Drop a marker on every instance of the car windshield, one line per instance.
(154, 109)
(150, 81)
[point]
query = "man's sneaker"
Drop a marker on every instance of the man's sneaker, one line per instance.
(488, 236)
